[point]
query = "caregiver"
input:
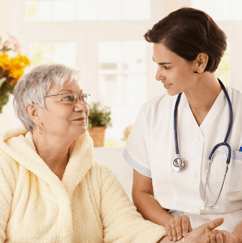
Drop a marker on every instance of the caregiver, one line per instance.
(178, 171)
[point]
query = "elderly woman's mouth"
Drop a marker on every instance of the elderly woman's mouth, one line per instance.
(80, 119)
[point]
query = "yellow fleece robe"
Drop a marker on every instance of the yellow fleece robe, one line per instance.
(89, 205)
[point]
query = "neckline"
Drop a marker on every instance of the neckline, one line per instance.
(213, 110)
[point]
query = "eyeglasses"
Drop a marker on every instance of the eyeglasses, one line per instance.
(70, 98)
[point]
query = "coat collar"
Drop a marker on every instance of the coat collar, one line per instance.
(18, 144)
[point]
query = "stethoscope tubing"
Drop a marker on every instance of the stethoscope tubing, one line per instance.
(213, 151)
(215, 148)
(175, 123)
(230, 111)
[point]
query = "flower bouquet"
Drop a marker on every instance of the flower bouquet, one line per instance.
(12, 65)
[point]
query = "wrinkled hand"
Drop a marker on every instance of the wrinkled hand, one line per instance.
(199, 234)
(221, 236)
(178, 227)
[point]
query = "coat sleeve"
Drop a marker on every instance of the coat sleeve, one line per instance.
(137, 147)
(7, 185)
(121, 222)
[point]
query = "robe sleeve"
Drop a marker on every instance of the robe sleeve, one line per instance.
(121, 221)
(7, 185)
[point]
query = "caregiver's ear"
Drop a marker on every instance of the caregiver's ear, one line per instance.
(200, 63)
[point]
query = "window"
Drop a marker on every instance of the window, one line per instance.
(57, 52)
(220, 9)
(122, 81)
(223, 71)
(85, 10)
(102, 38)
(228, 17)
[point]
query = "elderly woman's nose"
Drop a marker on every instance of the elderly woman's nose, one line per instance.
(80, 106)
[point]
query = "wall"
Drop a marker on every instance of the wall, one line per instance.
(5, 15)
(7, 118)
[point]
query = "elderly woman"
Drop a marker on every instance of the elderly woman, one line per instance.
(51, 188)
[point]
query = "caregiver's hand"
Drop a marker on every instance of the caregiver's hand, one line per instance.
(178, 227)
(199, 234)
(221, 236)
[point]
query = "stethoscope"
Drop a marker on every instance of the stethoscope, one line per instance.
(179, 164)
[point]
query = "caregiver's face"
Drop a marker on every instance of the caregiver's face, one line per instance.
(173, 71)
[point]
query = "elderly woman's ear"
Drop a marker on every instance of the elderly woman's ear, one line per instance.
(32, 111)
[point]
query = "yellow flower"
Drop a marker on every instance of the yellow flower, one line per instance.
(23, 59)
(14, 66)
(4, 61)
(16, 74)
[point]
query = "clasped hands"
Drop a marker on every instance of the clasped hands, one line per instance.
(180, 226)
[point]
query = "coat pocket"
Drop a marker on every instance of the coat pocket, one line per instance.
(235, 171)
(236, 155)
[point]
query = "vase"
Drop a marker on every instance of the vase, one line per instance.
(97, 135)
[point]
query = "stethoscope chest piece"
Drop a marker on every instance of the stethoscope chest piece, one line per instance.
(178, 164)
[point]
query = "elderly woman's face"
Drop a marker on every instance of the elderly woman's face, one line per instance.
(64, 118)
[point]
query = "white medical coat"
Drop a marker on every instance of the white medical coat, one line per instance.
(150, 150)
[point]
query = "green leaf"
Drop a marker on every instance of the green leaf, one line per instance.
(10, 87)
(2, 81)
(99, 116)
(3, 100)
(6, 49)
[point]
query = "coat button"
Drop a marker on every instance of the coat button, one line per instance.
(194, 174)
(196, 138)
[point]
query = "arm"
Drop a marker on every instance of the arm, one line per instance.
(121, 221)
(237, 233)
(143, 198)
(7, 185)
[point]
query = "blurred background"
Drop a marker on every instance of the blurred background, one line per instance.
(104, 39)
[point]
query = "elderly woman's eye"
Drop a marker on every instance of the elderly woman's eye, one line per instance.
(68, 97)
(85, 98)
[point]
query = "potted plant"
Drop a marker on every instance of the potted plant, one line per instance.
(99, 119)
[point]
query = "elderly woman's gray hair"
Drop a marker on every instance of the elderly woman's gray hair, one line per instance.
(33, 86)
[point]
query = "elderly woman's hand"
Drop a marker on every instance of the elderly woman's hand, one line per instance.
(221, 236)
(178, 227)
(199, 234)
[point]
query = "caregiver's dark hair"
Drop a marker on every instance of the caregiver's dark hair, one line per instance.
(188, 32)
